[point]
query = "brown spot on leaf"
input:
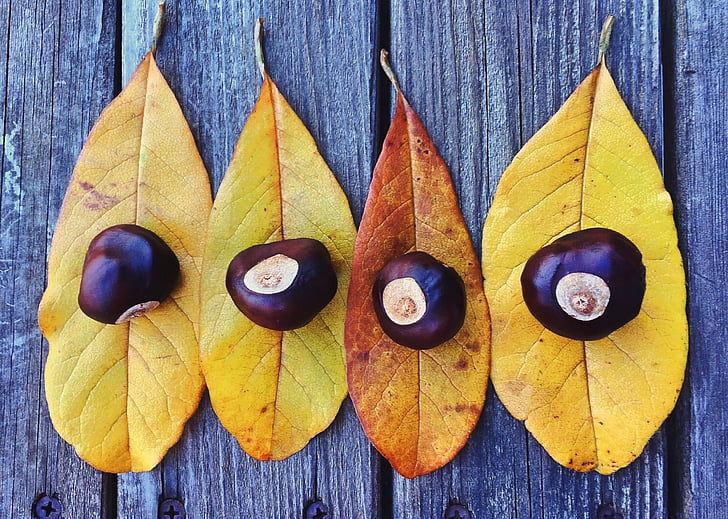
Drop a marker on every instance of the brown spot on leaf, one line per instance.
(461, 365)
(264, 410)
(86, 186)
(516, 386)
(473, 346)
(96, 201)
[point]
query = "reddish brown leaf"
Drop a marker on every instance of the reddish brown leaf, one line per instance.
(417, 407)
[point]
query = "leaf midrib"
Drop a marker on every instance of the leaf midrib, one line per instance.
(276, 109)
(401, 105)
(587, 148)
(143, 131)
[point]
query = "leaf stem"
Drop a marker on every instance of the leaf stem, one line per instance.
(158, 25)
(605, 37)
(387, 67)
(259, 56)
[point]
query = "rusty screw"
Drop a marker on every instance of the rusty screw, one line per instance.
(47, 507)
(171, 509)
(317, 510)
(456, 511)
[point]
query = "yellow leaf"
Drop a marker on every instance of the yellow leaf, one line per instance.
(275, 390)
(591, 404)
(121, 394)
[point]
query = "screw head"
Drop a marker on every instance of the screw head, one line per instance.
(171, 509)
(317, 510)
(457, 511)
(607, 511)
(47, 507)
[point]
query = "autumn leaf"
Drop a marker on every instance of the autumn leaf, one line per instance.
(274, 390)
(591, 404)
(418, 407)
(121, 394)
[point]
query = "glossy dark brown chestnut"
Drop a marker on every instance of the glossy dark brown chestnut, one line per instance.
(284, 284)
(420, 302)
(128, 271)
(586, 284)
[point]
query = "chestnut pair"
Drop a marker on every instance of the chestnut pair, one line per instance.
(129, 270)
(583, 286)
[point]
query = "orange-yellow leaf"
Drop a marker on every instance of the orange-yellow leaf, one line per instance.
(417, 407)
(121, 394)
(275, 390)
(591, 404)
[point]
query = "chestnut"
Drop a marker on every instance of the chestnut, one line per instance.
(419, 301)
(282, 285)
(128, 270)
(586, 284)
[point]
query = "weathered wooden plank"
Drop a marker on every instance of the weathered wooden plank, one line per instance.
(443, 54)
(696, 65)
(634, 60)
(320, 54)
(56, 59)
(484, 78)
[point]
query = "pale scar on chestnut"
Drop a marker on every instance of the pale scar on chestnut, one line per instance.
(582, 296)
(271, 275)
(403, 301)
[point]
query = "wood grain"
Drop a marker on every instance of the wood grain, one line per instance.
(55, 81)
(318, 53)
(484, 76)
(484, 79)
(696, 137)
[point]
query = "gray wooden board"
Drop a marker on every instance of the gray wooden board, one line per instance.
(484, 78)
(57, 62)
(696, 68)
(319, 55)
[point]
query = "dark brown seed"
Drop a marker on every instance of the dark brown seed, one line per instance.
(128, 270)
(585, 285)
(282, 285)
